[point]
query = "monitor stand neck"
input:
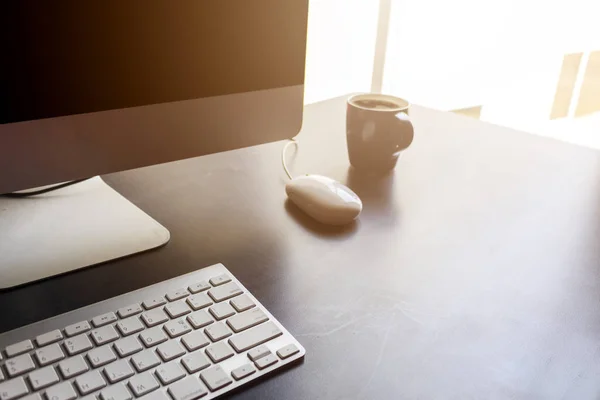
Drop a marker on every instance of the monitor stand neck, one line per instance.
(70, 228)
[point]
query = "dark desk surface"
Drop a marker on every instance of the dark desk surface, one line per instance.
(473, 273)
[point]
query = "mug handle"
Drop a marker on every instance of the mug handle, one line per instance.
(405, 130)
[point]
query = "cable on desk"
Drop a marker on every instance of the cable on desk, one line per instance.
(283, 153)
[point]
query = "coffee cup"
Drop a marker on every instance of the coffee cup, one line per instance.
(378, 129)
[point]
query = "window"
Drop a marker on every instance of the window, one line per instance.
(533, 65)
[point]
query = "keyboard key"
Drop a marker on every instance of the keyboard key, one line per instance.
(90, 382)
(130, 310)
(154, 317)
(221, 311)
(1, 376)
(104, 319)
(154, 302)
(43, 378)
(48, 338)
(158, 395)
(243, 371)
(101, 356)
(258, 352)
(199, 287)
(170, 372)
(118, 371)
(220, 280)
(170, 350)
(77, 344)
(35, 396)
(152, 337)
(177, 309)
(215, 378)
(224, 292)
(247, 320)
(195, 362)
(72, 367)
(145, 360)
(77, 328)
(116, 392)
(130, 326)
(13, 389)
(177, 294)
(142, 384)
(19, 365)
(266, 361)
(255, 336)
(49, 354)
(177, 328)
(219, 352)
(104, 335)
(199, 301)
(188, 389)
(242, 303)
(287, 351)
(217, 331)
(194, 341)
(62, 391)
(128, 346)
(200, 319)
(19, 348)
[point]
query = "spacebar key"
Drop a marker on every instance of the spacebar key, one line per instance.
(255, 336)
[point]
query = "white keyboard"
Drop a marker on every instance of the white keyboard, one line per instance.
(199, 335)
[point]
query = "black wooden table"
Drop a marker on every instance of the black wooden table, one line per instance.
(473, 272)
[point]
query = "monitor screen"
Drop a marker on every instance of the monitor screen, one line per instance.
(65, 57)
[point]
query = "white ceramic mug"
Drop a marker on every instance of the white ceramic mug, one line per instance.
(377, 130)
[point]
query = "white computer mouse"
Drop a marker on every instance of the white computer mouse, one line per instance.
(324, 199)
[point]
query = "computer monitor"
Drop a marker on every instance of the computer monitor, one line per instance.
(93, 87)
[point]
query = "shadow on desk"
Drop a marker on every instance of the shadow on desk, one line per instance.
(377, 194)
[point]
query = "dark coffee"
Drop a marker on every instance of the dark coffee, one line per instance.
(377, 130)
(377, 105)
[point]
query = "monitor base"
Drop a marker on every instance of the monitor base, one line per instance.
(70, 228)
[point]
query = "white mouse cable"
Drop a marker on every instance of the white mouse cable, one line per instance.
(283, 152)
